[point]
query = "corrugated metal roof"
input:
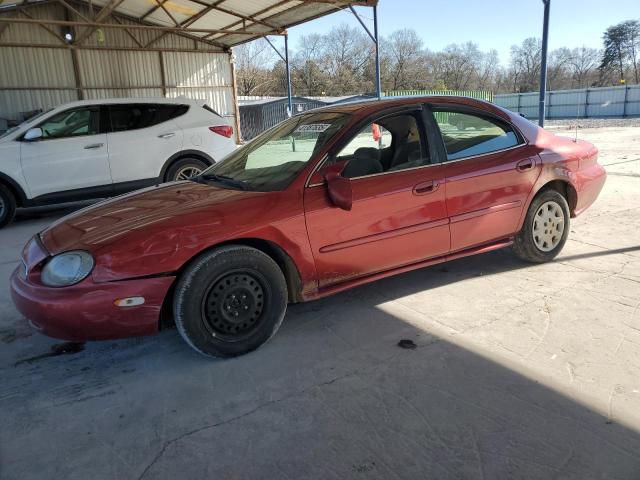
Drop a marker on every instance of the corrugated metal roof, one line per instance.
(221, 23)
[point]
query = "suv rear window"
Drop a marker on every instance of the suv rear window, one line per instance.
(142, 115)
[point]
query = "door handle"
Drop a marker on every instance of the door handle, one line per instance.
(93, 145)
(524, 165)
(426, 187)
(166, 135)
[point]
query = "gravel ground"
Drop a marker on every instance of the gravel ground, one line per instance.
(592, 123)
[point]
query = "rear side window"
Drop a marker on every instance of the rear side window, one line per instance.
(468, 135)
(135, 116)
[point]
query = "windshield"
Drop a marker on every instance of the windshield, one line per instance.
(273, 159)
(13, 129)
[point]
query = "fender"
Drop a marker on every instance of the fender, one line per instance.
(21, 196)
(184, 153)
(549, 174)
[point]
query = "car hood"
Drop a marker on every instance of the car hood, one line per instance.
(163, 209)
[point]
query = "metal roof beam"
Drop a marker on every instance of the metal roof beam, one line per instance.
(71, 46)
(95, 25)
(106, 10)
(260, 12)
(167, 12)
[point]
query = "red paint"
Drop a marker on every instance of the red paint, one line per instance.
(398, 221)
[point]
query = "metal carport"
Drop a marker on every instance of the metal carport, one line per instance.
(55, 51)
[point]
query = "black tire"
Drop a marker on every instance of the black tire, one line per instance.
(184, 164)
(525, 245)
(212, 296)
(7, 206)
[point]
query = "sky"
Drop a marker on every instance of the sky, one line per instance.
(492, 24)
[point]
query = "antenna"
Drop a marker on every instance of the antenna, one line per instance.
(575, 139)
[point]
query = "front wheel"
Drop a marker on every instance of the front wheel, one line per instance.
(545, 229)
(230, 301)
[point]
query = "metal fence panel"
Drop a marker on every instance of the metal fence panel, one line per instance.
(580, 103)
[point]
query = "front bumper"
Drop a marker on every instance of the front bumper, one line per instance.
(86, 311)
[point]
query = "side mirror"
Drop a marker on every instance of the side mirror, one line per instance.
(338, 187)
(33, 134)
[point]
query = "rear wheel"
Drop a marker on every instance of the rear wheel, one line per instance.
(230, 301)
(185, 168)
(7, 206)
(545, 229)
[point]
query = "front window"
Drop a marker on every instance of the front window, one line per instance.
(71, 123)
(23, 123)
(389, 144)
(273, 159)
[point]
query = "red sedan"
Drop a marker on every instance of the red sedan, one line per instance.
(324, 201)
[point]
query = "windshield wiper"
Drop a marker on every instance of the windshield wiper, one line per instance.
(223, 179)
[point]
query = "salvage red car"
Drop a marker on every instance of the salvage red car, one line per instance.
(324, 201)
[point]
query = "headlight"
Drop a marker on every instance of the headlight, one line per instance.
(67, 269)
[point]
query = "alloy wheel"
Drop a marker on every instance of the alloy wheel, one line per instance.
(185, 173)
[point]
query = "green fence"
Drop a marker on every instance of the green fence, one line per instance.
(479, 94)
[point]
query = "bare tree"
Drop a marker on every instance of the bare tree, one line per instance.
(489, 71)
(558, 69)
(307, 71)
(252, 62)
(346, 54)
(406, 66)
(457, 65)
(582, 64)
(525, 65)
(632, 45)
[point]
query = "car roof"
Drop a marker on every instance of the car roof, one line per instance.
(106, 101)
(365, 107)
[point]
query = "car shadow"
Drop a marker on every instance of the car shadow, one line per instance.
(333, 395)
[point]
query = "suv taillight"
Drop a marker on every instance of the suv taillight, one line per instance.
(224, 130)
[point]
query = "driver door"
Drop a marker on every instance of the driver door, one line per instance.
(72, 153)
(398, 216)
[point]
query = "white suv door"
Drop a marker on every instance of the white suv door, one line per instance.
(71, 154)
(141, 139)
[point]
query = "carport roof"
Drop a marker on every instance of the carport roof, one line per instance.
(223, 23)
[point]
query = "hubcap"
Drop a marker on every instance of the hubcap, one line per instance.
(548, 226)
(186, 173)
(233, 306)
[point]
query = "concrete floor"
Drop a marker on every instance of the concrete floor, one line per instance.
(520, 371)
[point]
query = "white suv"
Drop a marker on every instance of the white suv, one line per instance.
(100, 148)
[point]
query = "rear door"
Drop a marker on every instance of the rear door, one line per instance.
(71, 155)
(398, 215)
(490, 171)
(141, 138)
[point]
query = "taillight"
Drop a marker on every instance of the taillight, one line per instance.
(224, 130)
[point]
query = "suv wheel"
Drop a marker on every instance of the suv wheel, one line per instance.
(7, 206)
(230, 301)
(545, 229)
(185, 168)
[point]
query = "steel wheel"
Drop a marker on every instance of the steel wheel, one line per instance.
(233, 305)
(187, 172)
(548, 226)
